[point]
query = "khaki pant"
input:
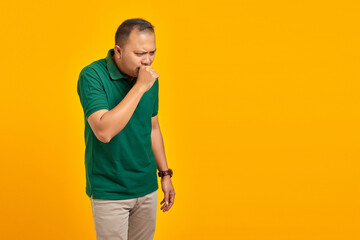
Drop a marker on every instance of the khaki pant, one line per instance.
(127, 219)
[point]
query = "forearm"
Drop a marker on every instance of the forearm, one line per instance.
(116, 119)
(158, 149)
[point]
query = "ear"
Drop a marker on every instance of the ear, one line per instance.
(117, 51)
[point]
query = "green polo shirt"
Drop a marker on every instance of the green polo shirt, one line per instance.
(125, 167)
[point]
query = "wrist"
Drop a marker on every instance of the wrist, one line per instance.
(165, 173)
(140, 88)
(167, 177)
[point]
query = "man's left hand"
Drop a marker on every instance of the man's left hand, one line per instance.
(169, 193)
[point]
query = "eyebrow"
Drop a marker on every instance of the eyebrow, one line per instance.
(145, 51)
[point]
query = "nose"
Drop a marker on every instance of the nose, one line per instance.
(146, 60)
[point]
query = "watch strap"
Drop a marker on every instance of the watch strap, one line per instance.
(165, 173)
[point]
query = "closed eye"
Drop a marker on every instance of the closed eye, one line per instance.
(139, 54)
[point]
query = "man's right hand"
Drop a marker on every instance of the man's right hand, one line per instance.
(146, 77)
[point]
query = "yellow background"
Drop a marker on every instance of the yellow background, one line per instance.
(259, 110)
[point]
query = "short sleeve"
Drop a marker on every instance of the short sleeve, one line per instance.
(91, 92)
(156, 103)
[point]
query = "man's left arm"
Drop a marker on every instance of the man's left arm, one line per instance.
(157, 145)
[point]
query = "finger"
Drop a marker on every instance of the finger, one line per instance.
(156, 74)
(172, 198)
(171, 201)
(164, 207)
(170, 205)
(167, 197)
(167, 208)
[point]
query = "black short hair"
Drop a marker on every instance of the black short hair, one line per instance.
(124, 30)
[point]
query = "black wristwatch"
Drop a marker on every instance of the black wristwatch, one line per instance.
(165, 173)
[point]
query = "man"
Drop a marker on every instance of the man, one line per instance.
(124, 144)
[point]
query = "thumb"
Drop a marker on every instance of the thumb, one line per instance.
(167, 197)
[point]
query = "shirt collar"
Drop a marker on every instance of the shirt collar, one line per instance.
(115, 74)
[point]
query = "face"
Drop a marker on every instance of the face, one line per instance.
(139, 50)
